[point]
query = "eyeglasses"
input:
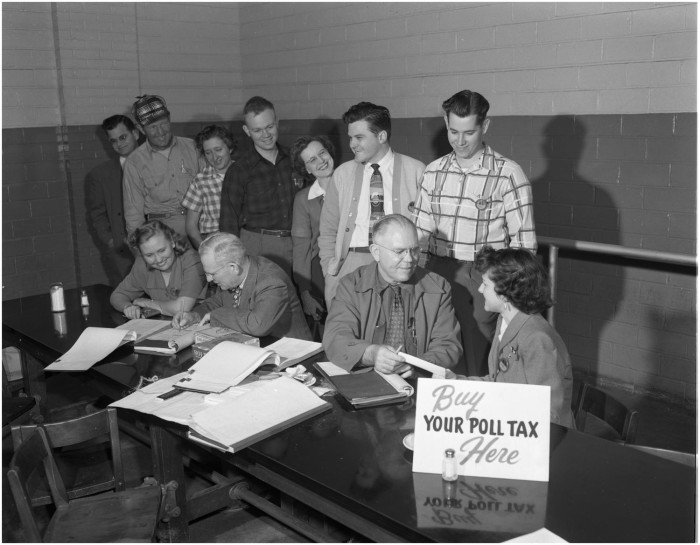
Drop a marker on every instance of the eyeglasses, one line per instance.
(401, 253)
(122, 138)
(323, 155)
(211, 275)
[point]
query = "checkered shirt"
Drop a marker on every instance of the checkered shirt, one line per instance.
(204, 195)
(458, 212)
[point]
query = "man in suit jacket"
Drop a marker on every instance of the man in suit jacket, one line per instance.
(346, 219)
(255, 296)
(104, 199)
(392, 306)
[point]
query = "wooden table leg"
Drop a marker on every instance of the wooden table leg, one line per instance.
(169, 471)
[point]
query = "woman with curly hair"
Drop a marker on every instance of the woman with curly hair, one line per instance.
(167, 270)
(527, 349)
(312, 158)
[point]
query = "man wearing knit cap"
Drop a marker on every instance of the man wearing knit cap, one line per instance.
(158, 173)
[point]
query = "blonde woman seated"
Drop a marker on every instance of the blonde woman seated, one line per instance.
(527, 349)
(167, 270)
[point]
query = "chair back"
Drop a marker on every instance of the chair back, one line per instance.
(608, 409)
(34, 459)
(85, 430)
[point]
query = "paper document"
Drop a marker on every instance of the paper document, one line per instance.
(93, 345)
(265, 408)
(226, 365)
(436, 370)
(292, 351)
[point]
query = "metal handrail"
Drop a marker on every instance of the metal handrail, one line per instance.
(607, 249)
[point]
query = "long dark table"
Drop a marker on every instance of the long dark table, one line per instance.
(352, 466)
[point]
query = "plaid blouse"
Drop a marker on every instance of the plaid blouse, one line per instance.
(204, 195)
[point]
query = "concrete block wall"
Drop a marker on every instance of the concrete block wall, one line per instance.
(528, 58)
(595, 100)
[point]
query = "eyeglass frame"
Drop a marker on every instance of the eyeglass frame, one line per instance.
(210, 276)
(401, 253)
(313, 160)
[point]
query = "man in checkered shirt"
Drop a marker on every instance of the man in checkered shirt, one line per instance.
(470, 198)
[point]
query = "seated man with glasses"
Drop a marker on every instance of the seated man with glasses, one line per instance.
(254, 295)
(392, 306)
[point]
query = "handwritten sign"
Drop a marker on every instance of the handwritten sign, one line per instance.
(496, 429)
(486, 505)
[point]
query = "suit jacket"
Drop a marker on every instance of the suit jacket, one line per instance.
(353, 322)
(104, 202)
(340, 207)
(536, 355)
(268, 304)
(305, 229)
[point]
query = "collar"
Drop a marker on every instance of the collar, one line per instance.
(122, 160)
(153, 150)
(316, 191)
(514, 326)
(419, 283)
(253, 157)
(487, 160)
(384, 162)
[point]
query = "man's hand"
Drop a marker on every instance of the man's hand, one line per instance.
(386, 360)
(132, 311)
(182, 319)
(311, 306)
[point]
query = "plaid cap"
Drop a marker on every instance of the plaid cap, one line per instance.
(149, 108)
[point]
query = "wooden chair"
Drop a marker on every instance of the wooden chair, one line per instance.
(17, 409)
(120, 516)
(685, 458)
(81, 441)
(614, 421)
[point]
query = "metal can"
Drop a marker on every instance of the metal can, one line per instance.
(58, 303)
(60, 326)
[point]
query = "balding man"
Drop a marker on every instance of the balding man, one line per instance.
(254, 295)
(391, 306)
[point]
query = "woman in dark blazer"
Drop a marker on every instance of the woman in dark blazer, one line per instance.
(526, 349)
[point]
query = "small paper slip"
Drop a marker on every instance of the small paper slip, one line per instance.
(540, 536)
(292, 351)
(436, 370)
(93, 345)
(226, 365)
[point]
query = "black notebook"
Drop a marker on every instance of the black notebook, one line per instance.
(366, 388)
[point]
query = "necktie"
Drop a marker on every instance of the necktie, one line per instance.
(376, 198)
(395, 331)
(236, 292)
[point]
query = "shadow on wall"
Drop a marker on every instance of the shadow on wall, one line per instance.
(567, 205)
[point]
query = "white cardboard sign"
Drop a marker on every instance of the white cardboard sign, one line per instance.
(497, 430)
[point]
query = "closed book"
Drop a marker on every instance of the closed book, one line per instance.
(217, 332)
(366, 388)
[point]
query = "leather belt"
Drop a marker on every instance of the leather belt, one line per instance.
(360, 249)
(163, 215)
(270, 232)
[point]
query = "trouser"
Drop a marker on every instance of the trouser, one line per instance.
(477, 324)
(353, 261)
(276, 249)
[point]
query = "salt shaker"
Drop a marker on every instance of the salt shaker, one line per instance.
(449, 466)
(58, 303)
(84, 299)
